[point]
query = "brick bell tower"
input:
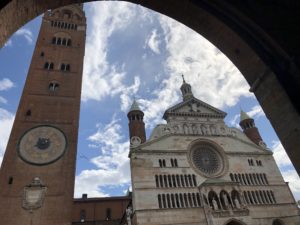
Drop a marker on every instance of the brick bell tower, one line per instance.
(38, 168)
(136, 125)
(249, 128)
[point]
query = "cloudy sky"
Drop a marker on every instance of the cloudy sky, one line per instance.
(133, 52)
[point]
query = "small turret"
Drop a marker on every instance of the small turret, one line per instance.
(136, 124)
(186, 90)
(249, 128)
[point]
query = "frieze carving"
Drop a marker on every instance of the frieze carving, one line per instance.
(201, 129)
(230, 213)
(33, 195)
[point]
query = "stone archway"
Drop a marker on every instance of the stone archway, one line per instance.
(234, 222)
(277, 222)
(259, 38)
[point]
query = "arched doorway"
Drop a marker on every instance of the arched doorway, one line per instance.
(277, 222)
(234, 222)
(248, 36)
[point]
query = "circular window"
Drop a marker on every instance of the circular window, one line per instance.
(207, 159)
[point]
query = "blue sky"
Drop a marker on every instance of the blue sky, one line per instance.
(133, 52)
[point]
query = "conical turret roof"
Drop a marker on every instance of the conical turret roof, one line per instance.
(135, 106)
(244, 116)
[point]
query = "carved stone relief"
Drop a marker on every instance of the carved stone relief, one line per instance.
(34, 194)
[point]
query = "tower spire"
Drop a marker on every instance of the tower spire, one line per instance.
(249, 128)
(183, 80)
(136, 124)
(186, 90)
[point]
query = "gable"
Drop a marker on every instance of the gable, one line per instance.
(194, 107)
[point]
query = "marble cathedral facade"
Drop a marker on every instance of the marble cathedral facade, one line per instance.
(196, 170)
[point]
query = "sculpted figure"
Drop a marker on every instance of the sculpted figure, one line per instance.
(237, 203)
(215, 204)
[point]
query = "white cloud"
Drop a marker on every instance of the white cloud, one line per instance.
(3, 100)
(112, 163)
(128, 93)
(280, 155)
(100, 79)
(214, 78)
(26, 33)
(153, 42)
(256, 112)
(6, 121)
(8, 43)
(292, 177)
(6, 84)
(286, 167)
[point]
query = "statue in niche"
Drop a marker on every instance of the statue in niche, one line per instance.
(208, 130)
(224, 196)
(176, 129)
(194, 128)
(167, 130)
(222, 131)
(203, 128)
(213, 130)
(215, 204)
(237, 203)
(185, 129)
(199, 129)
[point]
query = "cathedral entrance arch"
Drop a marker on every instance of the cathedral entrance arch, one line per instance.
(248, 36)
(234, 222)
(277, 222)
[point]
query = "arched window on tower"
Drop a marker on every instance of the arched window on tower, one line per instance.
(28, 112)
(46, 66)
(54, 40)
(58, 41)
(69, 42)
(68, 67)
(64, 41)
(53, 86)
(63, 67)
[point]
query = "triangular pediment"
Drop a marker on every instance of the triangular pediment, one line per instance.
(194, 107)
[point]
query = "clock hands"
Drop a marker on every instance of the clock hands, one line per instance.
(43, 143)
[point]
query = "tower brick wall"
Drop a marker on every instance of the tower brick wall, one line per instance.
(38, 168)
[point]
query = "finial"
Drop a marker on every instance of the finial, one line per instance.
(183, 78)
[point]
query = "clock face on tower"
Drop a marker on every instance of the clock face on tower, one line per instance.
(42, 145)
(135, 141)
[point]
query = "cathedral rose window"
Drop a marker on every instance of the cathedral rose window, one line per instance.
(207, 159)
